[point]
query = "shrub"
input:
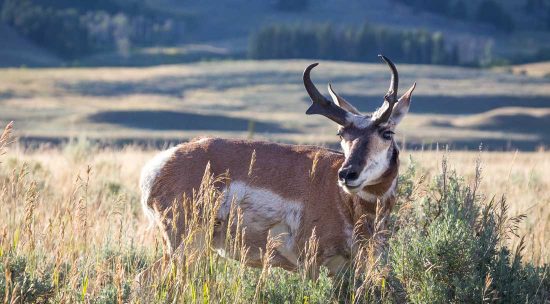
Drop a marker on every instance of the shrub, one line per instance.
(17, 281)
(450, 246)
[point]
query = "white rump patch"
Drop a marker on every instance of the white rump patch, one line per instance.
(264, 209)
(149, 174)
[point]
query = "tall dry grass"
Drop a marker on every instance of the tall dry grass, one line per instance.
(71, 230)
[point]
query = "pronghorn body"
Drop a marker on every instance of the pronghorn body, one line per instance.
(290, 191)
(291, 215)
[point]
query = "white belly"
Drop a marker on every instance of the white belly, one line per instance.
(263, 210)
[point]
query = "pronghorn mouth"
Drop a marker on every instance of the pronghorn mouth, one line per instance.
(351, 188)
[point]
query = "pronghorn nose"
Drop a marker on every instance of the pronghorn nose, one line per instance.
(347, 174)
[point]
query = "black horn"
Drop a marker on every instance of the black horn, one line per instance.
(390, 99)
(322, 105)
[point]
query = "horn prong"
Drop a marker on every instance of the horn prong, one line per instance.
(321, 105)
(390, 99)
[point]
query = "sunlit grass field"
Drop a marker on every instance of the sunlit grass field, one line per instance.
(72, 230)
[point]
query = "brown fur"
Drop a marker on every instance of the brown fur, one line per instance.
(283, 169)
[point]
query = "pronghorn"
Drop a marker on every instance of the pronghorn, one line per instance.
(279, 196)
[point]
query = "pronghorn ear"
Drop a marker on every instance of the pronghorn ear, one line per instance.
(341, 102)
(401, 108)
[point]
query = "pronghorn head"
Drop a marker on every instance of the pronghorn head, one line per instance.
(367, 140)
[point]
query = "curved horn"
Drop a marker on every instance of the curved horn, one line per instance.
(321, 105)
(390, 99)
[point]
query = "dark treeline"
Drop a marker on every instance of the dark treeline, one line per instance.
(73, 29)
(353, 44)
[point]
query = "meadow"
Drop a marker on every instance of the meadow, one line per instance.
(96, 88)
(72, 231)
(503, 108)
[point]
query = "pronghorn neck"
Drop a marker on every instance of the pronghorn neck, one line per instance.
(364, 202)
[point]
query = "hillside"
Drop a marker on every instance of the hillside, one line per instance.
(17, 51)
(214, 24)
(540, 69)
(266, 99)
(217, 21)
(169, 31)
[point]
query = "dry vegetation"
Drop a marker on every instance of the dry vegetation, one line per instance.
(72, 230)
(71, 227)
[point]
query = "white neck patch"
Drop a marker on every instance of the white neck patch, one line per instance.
(372, 197)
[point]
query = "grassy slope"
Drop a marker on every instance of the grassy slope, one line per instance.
(17, 51)
(220, 98)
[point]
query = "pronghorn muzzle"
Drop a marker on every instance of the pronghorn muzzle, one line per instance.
(348, 174)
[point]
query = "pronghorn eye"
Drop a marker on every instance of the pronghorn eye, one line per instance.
(388, 135)
(339, 133)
